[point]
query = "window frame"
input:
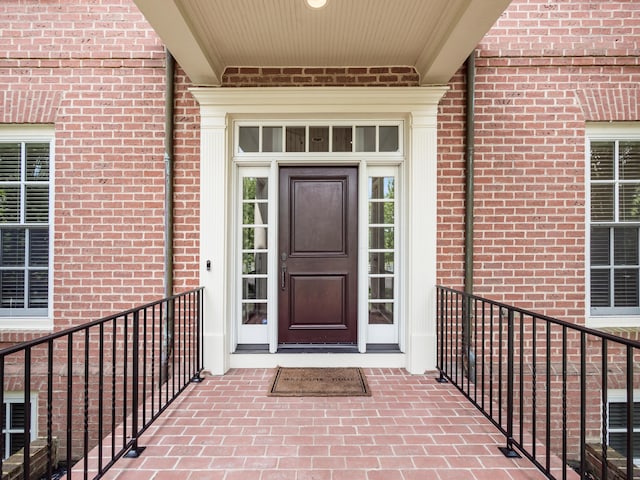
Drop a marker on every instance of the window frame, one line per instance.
(599, 317)
(266, 164)
(42, 318)
(620, 396)
(10, 398)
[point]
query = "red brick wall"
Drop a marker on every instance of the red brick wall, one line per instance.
(320, 77)
(96, 69)
(535, 71)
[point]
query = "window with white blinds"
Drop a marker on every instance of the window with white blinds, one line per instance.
(24, 228)
(615, 226)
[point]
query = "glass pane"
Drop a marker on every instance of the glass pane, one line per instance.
(365, 139)
(618, 441)
(17, 442)
(254, 238)
(38, 289)
(255, 188)
(388, 138)
(295, 139)
(625, 285)
(254, 214)
(254, 313)
(342, 139)
(618, 415)
(38, 162)
(600, 249)
(602, 160)
(248, 139)
(12, 289)
(629, 158)
(381, 313)
(37, 208)
(16, 414)
(381, 237)
(630, 202)
(12, 248)
(625, 246)
(38, 247)
(248, 238)
(254, 288)
(271, 139)
(254, 263)
(381, 288)
(381, 187)
(10, 162)
(600, 288)
(381, 262)
(9, 204)
(318, 139)
(602, 203)
(381, 212)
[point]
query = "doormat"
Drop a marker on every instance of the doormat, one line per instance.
(319, 382)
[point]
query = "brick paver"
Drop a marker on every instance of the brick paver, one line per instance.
(412, 427)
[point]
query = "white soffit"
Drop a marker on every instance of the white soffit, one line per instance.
(435, 36)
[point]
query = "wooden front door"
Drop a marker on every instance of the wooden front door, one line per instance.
(317, 257)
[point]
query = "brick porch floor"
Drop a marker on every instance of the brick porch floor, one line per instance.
(227, 428)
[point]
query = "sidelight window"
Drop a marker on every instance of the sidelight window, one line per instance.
(382, 249)
(255, 225)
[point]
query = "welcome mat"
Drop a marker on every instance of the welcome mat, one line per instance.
(319, 382)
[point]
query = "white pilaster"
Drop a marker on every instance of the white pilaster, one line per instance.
(213, 246)
(421, 279)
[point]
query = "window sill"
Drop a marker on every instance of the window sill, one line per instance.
(614, 321)
(26, 324)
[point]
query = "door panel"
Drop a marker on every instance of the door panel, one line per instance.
(318, 242)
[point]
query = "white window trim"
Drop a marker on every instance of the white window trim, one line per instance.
(35, 133)
(266, 164)
(620, 396)
(18, 397)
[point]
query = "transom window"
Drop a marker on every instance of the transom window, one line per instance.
(615, 226)
(24, 227)
(318, 138)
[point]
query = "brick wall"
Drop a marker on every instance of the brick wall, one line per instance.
(96, 69)
(538, 72)
(400, 76)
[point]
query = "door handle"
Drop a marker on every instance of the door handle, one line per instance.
(283, 274)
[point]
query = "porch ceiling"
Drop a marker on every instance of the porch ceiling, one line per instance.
(435, 36)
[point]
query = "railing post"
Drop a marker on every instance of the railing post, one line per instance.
(198, 316)
(441, 308)
(135, 450)
(508, 451)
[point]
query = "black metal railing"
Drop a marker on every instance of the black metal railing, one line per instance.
(100, 385)
(562, 394)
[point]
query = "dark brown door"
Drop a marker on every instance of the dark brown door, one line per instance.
(318, 247)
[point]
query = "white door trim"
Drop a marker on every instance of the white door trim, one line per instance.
(218, 106)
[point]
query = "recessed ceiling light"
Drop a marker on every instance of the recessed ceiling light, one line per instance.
(316, 3)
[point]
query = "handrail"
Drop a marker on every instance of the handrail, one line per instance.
(103, 383)
(543, 382)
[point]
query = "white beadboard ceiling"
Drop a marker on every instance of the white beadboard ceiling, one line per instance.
(434, 36)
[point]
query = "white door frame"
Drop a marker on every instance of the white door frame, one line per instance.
(419, 106)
